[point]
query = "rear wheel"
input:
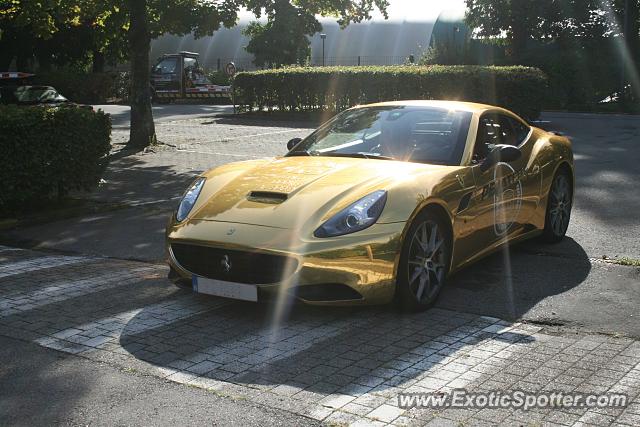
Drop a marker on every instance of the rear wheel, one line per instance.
(424, 262)
(558, 211)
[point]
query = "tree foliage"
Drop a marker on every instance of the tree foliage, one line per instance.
(61, 32)
(581, 44)
(521, 21)
(119, 29)
(283, 39)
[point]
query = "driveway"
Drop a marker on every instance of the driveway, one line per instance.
(550, 284)
(88, 314)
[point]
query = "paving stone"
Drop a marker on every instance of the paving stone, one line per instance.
(203, 367)
(343, 369)
(336, 401)
(385, 413)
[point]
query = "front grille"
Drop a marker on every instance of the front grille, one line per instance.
(233, 265)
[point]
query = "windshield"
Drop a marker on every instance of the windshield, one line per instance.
(37, 94)
(166, 66)
(408, 133)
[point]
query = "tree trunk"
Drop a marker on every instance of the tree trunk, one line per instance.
(634, 31)
(43, 57)
(6, 55)
(142, 133)
(22, 62)
(97, 65)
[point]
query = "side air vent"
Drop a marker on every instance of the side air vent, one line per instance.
(267, 197)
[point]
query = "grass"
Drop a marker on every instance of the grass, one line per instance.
(631, 262)
(628, 261)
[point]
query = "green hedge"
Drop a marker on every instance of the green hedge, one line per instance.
(85, 88)
(520, 89)
(45, 153)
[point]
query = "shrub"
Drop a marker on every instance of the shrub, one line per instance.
(44, 153)
(218, 77)
(86, 88)
(521, 89)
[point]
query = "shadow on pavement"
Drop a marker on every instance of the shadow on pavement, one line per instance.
(135, 232)
(261, 122)
(120, 113)
(328, 350)
(26, 366)
(606, 165)
(511, 282)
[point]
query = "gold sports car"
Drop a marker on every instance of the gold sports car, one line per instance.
(379, 204)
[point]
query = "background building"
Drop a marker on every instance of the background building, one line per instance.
(408, 31)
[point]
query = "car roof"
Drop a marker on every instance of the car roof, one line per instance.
(453, 105)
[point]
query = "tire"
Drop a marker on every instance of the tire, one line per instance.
(422, 271)
(559, 203)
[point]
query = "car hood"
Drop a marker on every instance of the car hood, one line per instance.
(288, 192)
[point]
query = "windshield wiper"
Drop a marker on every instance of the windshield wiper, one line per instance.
(361, 155)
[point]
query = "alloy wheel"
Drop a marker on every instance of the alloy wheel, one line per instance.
(560, 205)
(426, 262)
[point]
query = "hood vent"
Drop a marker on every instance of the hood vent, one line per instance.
(267, 197)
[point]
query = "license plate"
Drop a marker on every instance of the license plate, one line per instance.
(220, 288)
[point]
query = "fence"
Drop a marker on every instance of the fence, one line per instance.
(317, 61)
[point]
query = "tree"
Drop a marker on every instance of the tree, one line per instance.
(202, 17)
(283, 39)
(581, 44)
(151, 18)
(142, 129)
(521, 21)
(62, 32)
(627, 13)
(142, 20)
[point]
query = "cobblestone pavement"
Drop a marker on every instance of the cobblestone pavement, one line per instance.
(341, 366)
(188, 147)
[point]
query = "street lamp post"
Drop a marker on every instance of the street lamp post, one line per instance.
(323, 36)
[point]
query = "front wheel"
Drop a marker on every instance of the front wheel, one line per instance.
(558, 208)
(424, 262)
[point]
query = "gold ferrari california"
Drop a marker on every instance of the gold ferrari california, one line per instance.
(381, 203)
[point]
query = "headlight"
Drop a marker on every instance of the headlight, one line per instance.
(189, 199)
(358, 216)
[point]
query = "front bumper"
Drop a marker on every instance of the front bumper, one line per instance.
(348, 270)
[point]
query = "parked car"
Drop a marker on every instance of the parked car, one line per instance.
(16, 89)
(381, 203)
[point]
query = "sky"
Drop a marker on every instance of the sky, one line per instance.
(408, 10)
(418, 10)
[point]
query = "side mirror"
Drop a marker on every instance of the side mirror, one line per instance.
(509, 153)
(293, 142)
(500, 153)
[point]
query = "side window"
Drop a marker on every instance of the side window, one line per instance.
(507, 132)
(489, 134)
(190, 63)
(520, 130)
